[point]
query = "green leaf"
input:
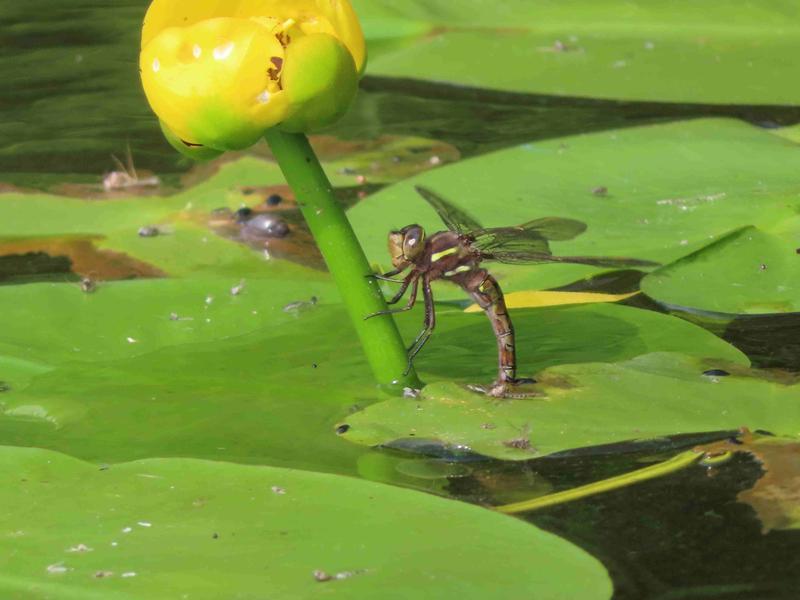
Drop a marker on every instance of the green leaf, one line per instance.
(172, 527)
(711, 52)
(671, 190)
(748, 271)
(588, 404)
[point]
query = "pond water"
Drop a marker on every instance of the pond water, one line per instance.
(71, 98)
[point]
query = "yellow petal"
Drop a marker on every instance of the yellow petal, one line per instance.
(335, 17)
(540, 299)
(320, 82)
(209, 82)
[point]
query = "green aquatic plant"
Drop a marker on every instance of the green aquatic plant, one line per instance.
(220, 78)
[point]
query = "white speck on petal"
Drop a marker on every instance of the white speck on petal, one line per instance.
(224, 51)
(264, 97)
(156, 65)
(197, 51)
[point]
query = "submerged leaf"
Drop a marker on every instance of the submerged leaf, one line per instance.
(776, 495)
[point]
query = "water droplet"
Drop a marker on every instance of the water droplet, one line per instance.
(156, 65)
(223, 52)
(264, 97)
(197, 51)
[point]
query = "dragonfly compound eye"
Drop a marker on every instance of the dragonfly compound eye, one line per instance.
(413, 241)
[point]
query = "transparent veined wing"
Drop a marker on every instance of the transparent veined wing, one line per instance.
(453, 217)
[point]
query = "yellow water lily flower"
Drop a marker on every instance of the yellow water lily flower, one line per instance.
(219, 74)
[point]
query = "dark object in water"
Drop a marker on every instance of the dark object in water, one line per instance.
(266, 225)
(274, 200)
(148, 231)
(716, 373)
(243, 214)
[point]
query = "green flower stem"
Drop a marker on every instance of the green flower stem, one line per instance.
(676, 463)
(346, 261)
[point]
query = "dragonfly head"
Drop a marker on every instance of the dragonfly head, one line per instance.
(406, 245)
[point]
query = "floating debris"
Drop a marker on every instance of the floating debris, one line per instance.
(278, 490)
(103, 574)
(522, 442)
(600, 190)
(342, 429)
(125, 177)
(88, 285)
(273, 200)
(144, 524)
(409, 392)
(300, 305)
(238, 289)
(149, 231)
(131, 340)
(57, 569)
(80, 548)
(518, 443)
(4, 387)
(129, 574)
(322, 576)
(127, 529)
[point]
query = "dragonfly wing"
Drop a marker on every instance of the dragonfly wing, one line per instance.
(531, 258)
(454, 218)
(555, 228)
(615, 262)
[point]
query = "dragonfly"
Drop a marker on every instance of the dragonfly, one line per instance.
(456, 255)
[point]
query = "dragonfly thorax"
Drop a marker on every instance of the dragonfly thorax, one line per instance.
(406, 245)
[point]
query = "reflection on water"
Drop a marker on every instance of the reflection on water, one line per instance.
(71, 98)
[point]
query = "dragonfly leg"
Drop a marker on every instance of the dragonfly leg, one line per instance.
(413, 281)
(485, 290)
(388, 276)
(430, 323)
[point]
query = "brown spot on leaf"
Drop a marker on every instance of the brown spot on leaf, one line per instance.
(68, 258)
(776, 495)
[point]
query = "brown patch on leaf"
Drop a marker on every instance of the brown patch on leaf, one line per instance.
(79, 256)
(776, 495)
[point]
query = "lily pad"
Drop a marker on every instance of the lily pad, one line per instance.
(590, 404)
(720, 52)
(661, 201)
(291, 375)
(746, 272)
(173, 527)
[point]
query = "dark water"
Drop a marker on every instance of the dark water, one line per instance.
(70, 98)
